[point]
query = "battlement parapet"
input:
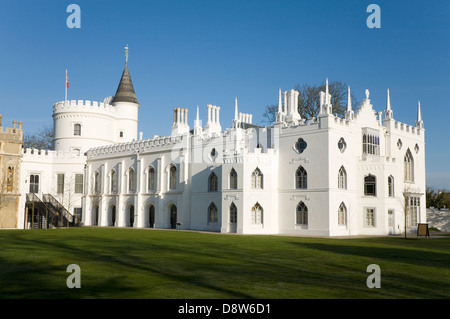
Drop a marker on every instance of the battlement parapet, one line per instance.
(136, 146)
(402, 127)
(341, 121)
(83, 105)
(35, 154)
(9, 133)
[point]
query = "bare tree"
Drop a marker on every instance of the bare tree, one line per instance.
(42, 139)
(270, 113)
(309, 100)
(68, 197)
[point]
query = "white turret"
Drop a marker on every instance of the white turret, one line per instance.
(349, 115)
(325, 101)
(388, 114)
(197, 124)
(81, 125)
(419, 122)
(127, 107)
(280, 116)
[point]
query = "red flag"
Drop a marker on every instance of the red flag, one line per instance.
(67, 79)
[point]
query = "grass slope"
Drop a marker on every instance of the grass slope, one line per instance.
(143, 263)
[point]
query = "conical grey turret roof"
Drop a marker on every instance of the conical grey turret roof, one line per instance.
(125, 91)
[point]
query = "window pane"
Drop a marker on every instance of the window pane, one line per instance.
(370, 217)
(77, 130)
(60, 184)
(79, 183)
(151, 183)
(370, 185)
(233, 179)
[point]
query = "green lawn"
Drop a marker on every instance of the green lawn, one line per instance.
(144, 263)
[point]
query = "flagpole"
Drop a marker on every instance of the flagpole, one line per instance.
(66, 85)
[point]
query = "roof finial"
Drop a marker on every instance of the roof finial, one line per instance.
(235, 109)
(388, 114)
(388, 101)
(126, 54)
(419, 122)
(349, 115)
(419, 113)
(197, 121)
(280, 102)
(349, 100)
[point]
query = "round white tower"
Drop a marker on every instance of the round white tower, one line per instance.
(81, 125)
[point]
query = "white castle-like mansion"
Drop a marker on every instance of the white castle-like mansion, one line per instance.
(325, 176)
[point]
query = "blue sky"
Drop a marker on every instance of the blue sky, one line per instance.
(198, 52)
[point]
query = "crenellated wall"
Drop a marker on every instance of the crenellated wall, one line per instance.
(80, 125)
(83, 105)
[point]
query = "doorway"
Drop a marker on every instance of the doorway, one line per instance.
(233, 218)
(173, 217)
(113, 216)
(131, 216)
(151, 216)
(391, 222)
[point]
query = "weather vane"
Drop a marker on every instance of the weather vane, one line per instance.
(126, 53)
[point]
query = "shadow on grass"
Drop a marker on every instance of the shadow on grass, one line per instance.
(47, 278)
(405, 272)
(155, 264)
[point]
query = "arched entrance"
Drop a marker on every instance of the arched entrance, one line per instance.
(96, 213)
(151, 216)
(113, 216)
(233, 218)
(131, 216)
(173, 217)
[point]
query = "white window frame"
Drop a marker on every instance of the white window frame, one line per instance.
(213, 214)
(342, 178)
(342, 215)
(257, 214)
(257, 179)
(78, 187)
(370, 217)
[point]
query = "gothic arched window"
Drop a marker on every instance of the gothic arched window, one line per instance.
(342, 215)
(342, 178)
(151, 178)
(257, 179)
(233, 214)
(257, 214)
(213, 182)
(97, 183)
(212, 213)
(301, 178)
(409, 166)
(233, 179)
(131, 180)
(173, 177)
(301, 214)
(113, 181)
(391, 186)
